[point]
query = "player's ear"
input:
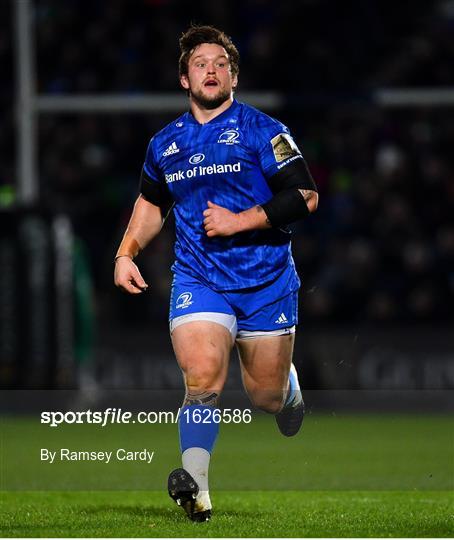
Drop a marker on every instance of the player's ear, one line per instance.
(234, 82)
(184, 81)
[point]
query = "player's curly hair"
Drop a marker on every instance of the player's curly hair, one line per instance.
(196, 35)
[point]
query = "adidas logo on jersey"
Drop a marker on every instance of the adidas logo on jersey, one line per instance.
(173, 149)
(282, 319)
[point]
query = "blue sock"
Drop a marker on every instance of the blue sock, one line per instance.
(197, 427)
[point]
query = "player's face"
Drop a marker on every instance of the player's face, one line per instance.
(209, 79)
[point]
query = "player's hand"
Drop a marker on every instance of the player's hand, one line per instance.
(219, 221)
(127, 276)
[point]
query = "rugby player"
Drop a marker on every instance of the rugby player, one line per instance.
(235, 180)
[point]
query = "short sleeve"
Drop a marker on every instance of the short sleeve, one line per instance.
(152, 185)
(275, 146)
(150, 167)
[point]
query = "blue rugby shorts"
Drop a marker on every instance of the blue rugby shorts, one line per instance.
(271, 309)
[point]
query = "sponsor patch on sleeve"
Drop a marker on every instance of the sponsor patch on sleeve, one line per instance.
(284, 147)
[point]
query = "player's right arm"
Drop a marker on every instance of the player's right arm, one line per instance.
(145, 223)
(150, 211)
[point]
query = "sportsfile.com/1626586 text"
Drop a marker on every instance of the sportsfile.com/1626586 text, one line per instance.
(113, 415)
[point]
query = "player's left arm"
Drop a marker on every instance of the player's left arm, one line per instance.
(295, 197)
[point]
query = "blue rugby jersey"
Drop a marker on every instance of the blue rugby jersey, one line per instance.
(227, 161)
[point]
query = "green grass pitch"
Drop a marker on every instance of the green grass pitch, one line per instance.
(348, 475)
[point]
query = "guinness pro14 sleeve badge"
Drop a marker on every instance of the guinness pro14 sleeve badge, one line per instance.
(284, 147)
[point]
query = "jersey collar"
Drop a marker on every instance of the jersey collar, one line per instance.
(221, 118)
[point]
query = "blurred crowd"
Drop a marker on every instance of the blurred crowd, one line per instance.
(121, 46)
(381, 246)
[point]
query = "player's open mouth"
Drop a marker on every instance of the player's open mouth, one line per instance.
(211, 82)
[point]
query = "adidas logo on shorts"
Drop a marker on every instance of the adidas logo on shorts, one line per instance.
(173, 149)
(282, 319)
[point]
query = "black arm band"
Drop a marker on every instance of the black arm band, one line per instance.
(156, 193)
(286, 207)
(295, 174)
(288, 203)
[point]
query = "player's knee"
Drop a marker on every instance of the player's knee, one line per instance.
(204, 380)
